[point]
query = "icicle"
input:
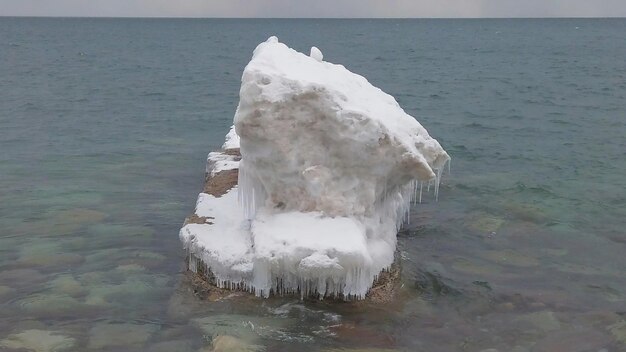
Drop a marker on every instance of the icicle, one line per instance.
(437, 182)
(408, 214)
(251, 191)
(421, 186)
(193, 263)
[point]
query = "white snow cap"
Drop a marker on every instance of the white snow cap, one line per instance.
(318, 137)
(316, 54)
(329, 167)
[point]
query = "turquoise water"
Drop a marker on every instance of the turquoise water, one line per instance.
(104, 129)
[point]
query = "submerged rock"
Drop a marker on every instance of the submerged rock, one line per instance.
(121, 335)
(618, 330)
(133, 290)
(67, 284)
(510, 257)
(473, 267)
(527, 212)
(6, 291)
(51, 304)
(38, 341)
(433, 285)
(190, 297)
(247, 328)
(130, 268)
(578, 341)
(47, 254)
(69, 221)
(544, 321)
(485, 223)
(358, 335)
(226, 343)
(360, 350)
(172, 346)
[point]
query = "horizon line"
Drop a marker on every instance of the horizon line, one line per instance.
(311, 18)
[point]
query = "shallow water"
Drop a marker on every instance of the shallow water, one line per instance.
(104, 129)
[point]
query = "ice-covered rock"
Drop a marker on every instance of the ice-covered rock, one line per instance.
(329, 165)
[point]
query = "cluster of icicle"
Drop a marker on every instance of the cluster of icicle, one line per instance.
(357, 281)
(395, 205)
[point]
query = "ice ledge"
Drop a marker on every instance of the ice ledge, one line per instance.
(229, 252)
(219, 245)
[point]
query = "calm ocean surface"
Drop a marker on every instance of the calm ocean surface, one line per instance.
(104, 129)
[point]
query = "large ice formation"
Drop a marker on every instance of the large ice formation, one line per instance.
(329, 165)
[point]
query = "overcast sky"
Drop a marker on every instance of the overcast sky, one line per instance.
(316, 8)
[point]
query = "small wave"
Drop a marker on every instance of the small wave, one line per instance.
(530, 129)
(544, 191)
(153, 94)
(471, 114)
(516, 157)
(545, 102)
(459, 147)
(562, 122)
(478, 126)
(462, 152)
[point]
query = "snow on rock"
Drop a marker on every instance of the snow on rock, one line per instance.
(232, 139)
(316, 54)
(329, 166)
(309, 251)
(218, 161)
(224, 242)
(221, 161)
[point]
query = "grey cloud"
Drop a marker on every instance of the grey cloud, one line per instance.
(318, 8)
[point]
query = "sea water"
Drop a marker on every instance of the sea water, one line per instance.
(104, 129)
